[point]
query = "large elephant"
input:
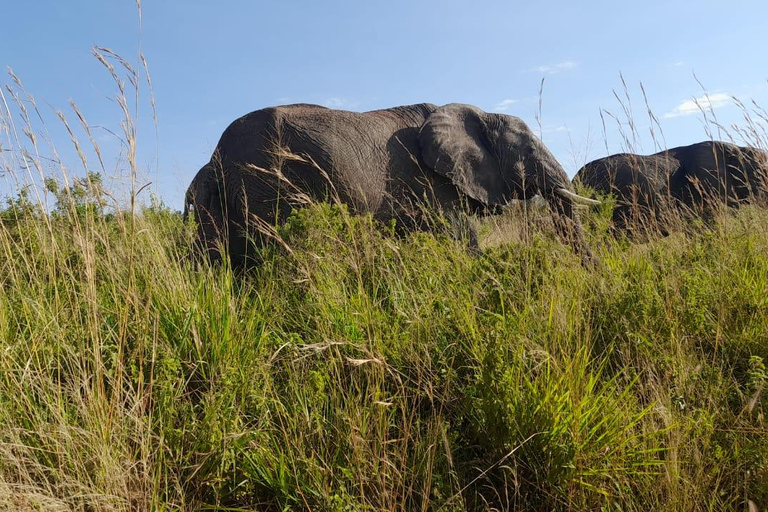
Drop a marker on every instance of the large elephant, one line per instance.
(390, 162)
(651, 189)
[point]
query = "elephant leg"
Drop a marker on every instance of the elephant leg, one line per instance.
(463, 229)
(413, 215)
(568, 225)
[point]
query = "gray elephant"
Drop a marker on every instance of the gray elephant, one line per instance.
(391, 163)
(651, 189)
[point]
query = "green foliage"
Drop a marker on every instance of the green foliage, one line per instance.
(355, 370)
(22, 207)
(84, 196)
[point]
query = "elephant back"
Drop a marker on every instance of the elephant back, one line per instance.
(720, 172)
(619, 174)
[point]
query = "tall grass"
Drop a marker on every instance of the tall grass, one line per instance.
(365, 371)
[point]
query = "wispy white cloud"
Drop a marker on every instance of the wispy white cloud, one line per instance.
(504, 105)
(556, 68)
(679, 64)
(549, 129)
(696, 105)
(554, 128)
(338, 102)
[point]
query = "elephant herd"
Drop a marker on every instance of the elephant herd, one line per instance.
(653, 190)
(403, 162)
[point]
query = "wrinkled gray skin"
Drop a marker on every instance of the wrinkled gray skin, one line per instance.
(686, 179)
(388, 162)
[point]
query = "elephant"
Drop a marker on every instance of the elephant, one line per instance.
(686, 180)
(391, 163)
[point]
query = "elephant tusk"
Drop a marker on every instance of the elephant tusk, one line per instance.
(575, 197)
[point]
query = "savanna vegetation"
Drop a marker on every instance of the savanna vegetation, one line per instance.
(358, 370)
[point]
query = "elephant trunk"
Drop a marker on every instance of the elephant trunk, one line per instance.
(554, 186)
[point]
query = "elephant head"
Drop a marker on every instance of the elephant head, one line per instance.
(493, 158)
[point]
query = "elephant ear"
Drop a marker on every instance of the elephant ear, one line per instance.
(456, 142)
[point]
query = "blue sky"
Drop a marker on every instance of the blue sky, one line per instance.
(211, 62)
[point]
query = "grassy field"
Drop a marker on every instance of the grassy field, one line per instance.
(355, 370)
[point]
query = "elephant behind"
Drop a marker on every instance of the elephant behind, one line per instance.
(652, 190)
(392, 163)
